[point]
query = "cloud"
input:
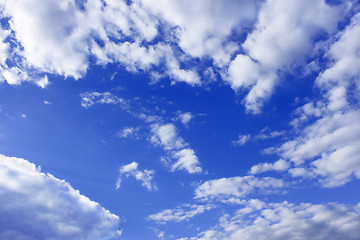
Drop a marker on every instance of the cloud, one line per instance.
(249, 43)
(35, 205)
(145, 177)
(185, 159)
(286, 221)
(282, 38)
(185, 117)
(327, 147)
(180, 155)
(242, 140)
(263, 135)
(127, 132)
(166, 136)
(203, 28)
(90, 98)
(280, 165)
(181, 213)
(226, 188)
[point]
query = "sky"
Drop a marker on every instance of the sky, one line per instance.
(179, 120)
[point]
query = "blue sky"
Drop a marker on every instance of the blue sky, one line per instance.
(179, 120)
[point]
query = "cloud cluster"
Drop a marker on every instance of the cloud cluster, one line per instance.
(145, 177)
(248, 43)
(259, 220)
(328, 145)
(185, 159)
(35, 205)
(283, 37)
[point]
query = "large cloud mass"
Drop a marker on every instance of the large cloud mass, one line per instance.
(248, 42)
(35, 205)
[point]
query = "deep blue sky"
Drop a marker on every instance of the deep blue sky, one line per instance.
(271, 96)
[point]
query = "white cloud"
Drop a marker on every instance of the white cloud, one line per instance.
(204, 26)
(35, 205)
(145, 177)
(225, 188)
(262, 135)
(327, 147)
(90, 98)
(127, 132)
(185, 117)
(282, 221)
(181, 213)
(185, 159)
(266, 134)
(167, 136)
(280, 165)
(345, 60)
(282, 38)
(242, 140)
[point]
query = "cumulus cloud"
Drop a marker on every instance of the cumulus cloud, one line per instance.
(248, 42)
(35, 205)
(259, 220)
(145, 177)
(327, 147)
(282, 38)
(239, 187)
(181, 213)
(280, 165)
(166, 136)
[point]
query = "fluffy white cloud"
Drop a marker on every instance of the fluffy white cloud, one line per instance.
(345, 59)
(145, 177)
(204, 26)
(282, 38)
(226, 188)
(180, 213)
(258, 220)
(61, 37)
(327, 147)
(35, 205)
(280, 165)
(167, 136)
(185, 159)
(185, 117)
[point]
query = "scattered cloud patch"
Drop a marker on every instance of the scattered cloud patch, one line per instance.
(185, 117)
(166, 136)
(90, 98)
(128, 132)
(242, 140)
(225, 188)
(145, 177)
